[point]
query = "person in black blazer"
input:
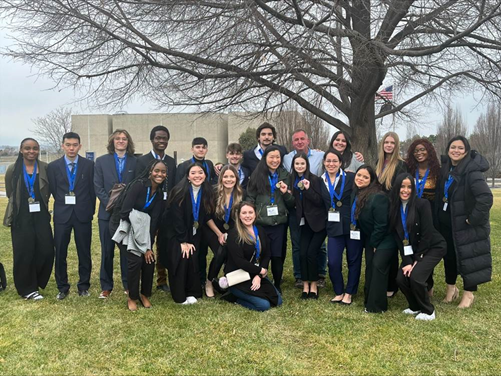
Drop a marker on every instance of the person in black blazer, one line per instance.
(159, 137)
(421, 246)
(199, 151)
(116, 167)
(311, 218)
(336, 193)
(71, 184)
(190, 205)
(266, 135)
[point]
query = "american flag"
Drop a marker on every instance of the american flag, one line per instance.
(386, 93)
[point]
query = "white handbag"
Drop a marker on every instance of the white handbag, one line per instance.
(237, 276)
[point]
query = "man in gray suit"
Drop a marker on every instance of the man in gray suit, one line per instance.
(118, 166)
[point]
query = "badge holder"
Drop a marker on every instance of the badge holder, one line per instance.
(70, 199)
(408, 250)
(333, 216)
(354, 233)
(34, 206)
(272, 210)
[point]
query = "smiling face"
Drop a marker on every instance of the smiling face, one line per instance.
(389, 144)
(234, 158)
(273, 160)
(405, 190)
(158, 173)
(362, 179)
(196, 175)
(229, 179)
(301, 142)
(420, 153)
(247, 215)
(332, 163)
(300, 166)
(340, 143)
(266, 137)
(71, 147)
(199, 151)
(456, 152)
(30, 150)
(160, 141)
(120, 142)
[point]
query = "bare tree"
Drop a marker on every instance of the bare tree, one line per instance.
(50, 128)
(486, 139)
(452, 125)
(226, 54)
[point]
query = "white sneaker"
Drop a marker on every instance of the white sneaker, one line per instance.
(411, 312)
(426, 317)
(33, 296)
(191, 300)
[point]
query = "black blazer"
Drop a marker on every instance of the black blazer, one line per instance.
(423, 235)
(250, 161)
(105, 176)
(183, 167)
(146, 159)
(311, 206)
(84, 190)
(343, 227)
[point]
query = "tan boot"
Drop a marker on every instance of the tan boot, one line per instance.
(451, 293)
(467, 300)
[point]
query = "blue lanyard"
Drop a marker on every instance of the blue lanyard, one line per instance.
(447, 186)
(195, 204)
(404, 217)
(149, 200)
(298, 179)
(229, 209)
(119, 165)
(273, 179)
(241, 175)
(257, 244)
(353, 213)
(71, 177)
(421, 184)
(332, 188)
(30, 181)
(205, 168)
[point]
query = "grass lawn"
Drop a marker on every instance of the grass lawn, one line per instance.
(88, 336)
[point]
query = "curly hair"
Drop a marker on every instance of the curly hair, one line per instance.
(432, 158)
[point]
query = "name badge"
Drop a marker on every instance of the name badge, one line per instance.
(34, 207)
(445, 206)
(272, 210)
(165, 195)
(70, 199)
(302, 221)
(408, 250)
(355, 235)
(194, 231)
(334, 217)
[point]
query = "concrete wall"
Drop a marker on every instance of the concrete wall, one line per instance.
(94, 131)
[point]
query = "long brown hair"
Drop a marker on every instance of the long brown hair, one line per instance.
(385, 175)
(130, 144)
(364, 193)
(237, 192)
(242, 234)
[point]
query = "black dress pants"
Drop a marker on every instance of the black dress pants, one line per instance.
(185, 281)
(139, 271)
(377, 274)
(310, 243)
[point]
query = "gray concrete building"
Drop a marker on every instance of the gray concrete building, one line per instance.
(219, 129)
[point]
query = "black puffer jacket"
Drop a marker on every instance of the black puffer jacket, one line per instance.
(470, 199)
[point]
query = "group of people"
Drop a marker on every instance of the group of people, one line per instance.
(419, 208)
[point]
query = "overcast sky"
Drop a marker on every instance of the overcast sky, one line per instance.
(24, 96)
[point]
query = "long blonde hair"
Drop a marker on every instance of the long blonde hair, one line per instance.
(220, 192)
(242, 234)
(385, 174)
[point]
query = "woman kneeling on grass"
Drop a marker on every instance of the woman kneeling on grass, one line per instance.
(248, 249)
(421, 246)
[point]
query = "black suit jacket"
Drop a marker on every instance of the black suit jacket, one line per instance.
(84, 190)
(423, 235)
(343, 227)
(105, 176)
(311, 205)
(250, 161)
(146, 159)
(183, 167)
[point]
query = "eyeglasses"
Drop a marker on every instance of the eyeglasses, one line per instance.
(421, 150)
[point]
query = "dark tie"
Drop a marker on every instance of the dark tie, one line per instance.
(72, 167)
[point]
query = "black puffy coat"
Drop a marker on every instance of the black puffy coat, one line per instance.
(470, 198)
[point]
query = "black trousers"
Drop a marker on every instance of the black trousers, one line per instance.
(33, 249)
(377, 275)
(82, 233)
(310, 243)
(276, 239)
(186, 281)
(139, 271)
(415, 287)
(393, 271)
(450, 258)
(219, 253)
(107, 256)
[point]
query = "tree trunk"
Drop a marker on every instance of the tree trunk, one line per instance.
(363, 131)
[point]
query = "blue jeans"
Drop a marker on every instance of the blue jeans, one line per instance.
(294, 234)
(253, 302)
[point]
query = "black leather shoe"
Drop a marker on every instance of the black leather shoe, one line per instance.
(84, 293)
(313, 295)
(164, 287)
(62, 295)
(304, 296)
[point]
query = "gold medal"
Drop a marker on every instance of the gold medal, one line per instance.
(300, 185)
(339, 203)
(278, 185)
(71, 193)
(352, 227)
(196, 224)
(31, 200)
(445, 199)
(406, 242)
(226, 226)
(332, 209)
